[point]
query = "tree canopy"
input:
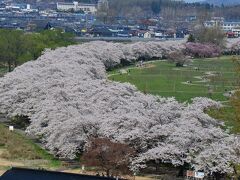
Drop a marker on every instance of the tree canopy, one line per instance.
(17, 47)
(210, 35)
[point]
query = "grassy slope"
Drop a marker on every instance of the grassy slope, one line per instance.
(166, 80)
(227, 114)
(17, 149)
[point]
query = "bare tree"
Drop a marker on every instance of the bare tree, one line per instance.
(111, 157)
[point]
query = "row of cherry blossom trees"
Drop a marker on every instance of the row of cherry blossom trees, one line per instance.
(69, 100)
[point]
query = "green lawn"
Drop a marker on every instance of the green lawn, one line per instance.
(165, 79)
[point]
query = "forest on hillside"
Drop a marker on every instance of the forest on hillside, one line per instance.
(170, 9)
(167, 9)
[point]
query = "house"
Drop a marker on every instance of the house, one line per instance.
(102, 31)
(33, 174)
(149, 34)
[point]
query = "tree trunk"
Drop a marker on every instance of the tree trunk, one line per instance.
(235, 173)
(9, 66)
(108, 172)
(15, 64)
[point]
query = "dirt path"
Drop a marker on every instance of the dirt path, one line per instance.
(8, 163)
(1, 172)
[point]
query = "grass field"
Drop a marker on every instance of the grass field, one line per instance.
(215, 77)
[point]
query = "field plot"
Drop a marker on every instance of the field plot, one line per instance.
(213, 78)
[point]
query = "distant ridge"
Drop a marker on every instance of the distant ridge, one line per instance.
(217, 2)
(224, 2)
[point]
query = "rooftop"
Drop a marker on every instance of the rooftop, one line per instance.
(30, 174)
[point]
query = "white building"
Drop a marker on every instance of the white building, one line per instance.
(86, 8)
(226, 26)
(214, 22)
(229, 26)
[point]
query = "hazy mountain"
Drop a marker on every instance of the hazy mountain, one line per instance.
(217, 2)
(224, 2)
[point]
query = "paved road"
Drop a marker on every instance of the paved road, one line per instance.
(123, 39)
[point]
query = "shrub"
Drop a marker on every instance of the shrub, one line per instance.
(20, 122)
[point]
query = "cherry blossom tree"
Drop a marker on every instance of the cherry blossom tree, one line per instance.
(200, 50)
(178, 58)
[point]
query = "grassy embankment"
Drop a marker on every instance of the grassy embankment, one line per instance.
(17, 150)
